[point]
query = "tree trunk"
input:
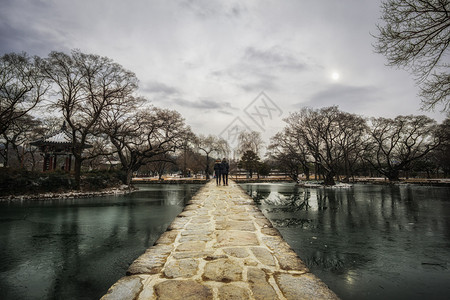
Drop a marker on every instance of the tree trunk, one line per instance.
(393, 175)
(294, 176)
(33, 162)
(306, 172)
(347, 170)
(6, 156)
(77, 171)
(127, 178)
(329, 178)
(207, 167)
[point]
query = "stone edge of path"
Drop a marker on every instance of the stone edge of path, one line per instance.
(216, 256)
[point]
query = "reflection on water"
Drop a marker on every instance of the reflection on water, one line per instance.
(77, 248)
(369, 241)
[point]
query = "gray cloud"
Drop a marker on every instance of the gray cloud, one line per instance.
(273, 58)
(207, 9)
(204, 104)
(247, 78)
(261, 69)
(260, 82)
(155, 87)
(347, 97)
(226, 112)
(33, 30)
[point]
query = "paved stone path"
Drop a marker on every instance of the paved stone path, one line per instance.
(220, 247)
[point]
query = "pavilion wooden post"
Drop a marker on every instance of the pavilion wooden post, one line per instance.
(55, 167)
(68, 164)
(46, 164)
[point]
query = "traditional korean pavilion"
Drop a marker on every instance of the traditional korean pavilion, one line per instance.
(57, 144)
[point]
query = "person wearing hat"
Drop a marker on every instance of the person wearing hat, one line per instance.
(217, 171)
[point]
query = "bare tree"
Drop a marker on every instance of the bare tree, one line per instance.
(396, 143)
(351, 139)
(441, 154)
(21, 87)
(159, 164)
(250, 141)
(100, 154)
(210, 145)
(87, 85)
(19, 134)
(190, 161)
(145, 136)
(416, 35)
(319, 131)
(291, 153)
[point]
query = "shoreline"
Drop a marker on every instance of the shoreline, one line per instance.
(129, 189)
(67, 195)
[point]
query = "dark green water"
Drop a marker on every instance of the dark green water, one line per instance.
(368, 241)
(76, 249)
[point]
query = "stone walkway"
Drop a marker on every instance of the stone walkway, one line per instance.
(220, 247)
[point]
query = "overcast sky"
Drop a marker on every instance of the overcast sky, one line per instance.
(210, 60)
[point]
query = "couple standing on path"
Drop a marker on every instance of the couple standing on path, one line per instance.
(221, 169)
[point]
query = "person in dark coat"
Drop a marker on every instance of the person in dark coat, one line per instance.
(224, 170)
(217, 171)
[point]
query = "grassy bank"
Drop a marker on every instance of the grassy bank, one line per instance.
(23, 182)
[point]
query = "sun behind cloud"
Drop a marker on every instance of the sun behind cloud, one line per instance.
(335, 76)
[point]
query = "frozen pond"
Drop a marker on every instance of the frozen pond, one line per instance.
(368, 241)
(77, 248)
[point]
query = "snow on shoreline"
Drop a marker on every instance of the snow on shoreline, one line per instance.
(124, 189)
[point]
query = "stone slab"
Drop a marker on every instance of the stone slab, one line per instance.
(236, 252)
(178, 223)
(222, 270)
(185, 268)
(264, 256)
(286, 257)
(191, 238)
(261, 288)
(197, 254)
(197, 231)
(127, 288)
(235, 225)
(233, 292)
(167, 238)
(192, 246)
(152, 261)
(270, 231)
(182, 290)
(306, 286)
(236, 238)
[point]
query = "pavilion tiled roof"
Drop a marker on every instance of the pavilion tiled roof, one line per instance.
(61, 137)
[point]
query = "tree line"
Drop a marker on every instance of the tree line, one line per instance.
(98, 101)
(335, 144)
